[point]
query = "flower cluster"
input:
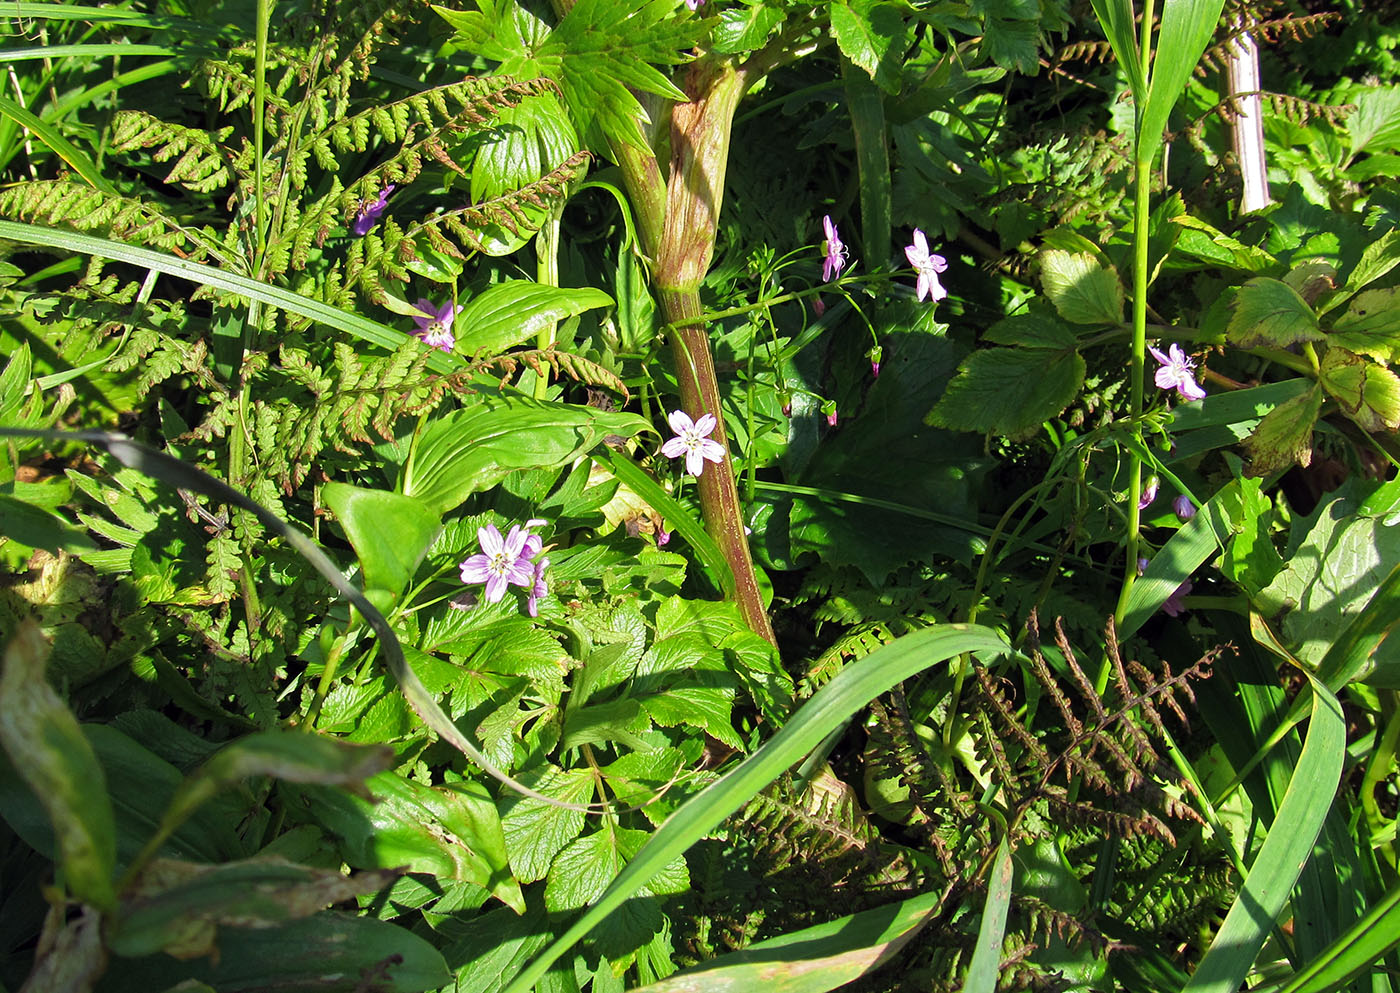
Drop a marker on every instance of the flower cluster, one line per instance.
(693, 441)
(507, 561)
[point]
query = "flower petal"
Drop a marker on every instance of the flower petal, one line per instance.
(680, 421)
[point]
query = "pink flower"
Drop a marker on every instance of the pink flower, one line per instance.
(538, 588)
(435, 324)
(836, 253)
(693, 441)
(875, 355)
(1177, 373)
(367, 215)
(695, 4)
(928, 266)
(831, 418)
(500, 562)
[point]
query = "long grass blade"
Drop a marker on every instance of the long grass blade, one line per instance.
(986, 954)
(59, 145)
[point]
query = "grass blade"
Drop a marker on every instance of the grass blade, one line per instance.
(1285, 850)
(1352, 955)
(986, 956)
(838, 700)
(57, 144)
(1187, 27)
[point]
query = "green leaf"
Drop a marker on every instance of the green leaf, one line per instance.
(1186, 30)
(1033, 330)
(812, 960)
(1367, 392)
(1354, 954)
(390, 532)
(527, 141)
(1119, 27)
(39, 528)
(178, 907)
(604, 49)
(985, 964)
(829, 708)
(535, 832)
(1284, 437)
(745, 27)
(516, 311)
(1285, 851)
(59, 145)
(1269, 312)
(1010, 391)
(327, 953)
(1371, 325)
(471, 449)
(1082, 290)
(451, 832)
(873, 36)
(48, 750)
(1374, 124)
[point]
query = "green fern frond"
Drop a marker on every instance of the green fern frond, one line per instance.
(202, 162)
(60, 203)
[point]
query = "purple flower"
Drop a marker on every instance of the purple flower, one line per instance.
(663, 537)
(1143, 562)
(1149, 493)
(435, 323)
(1174, 604)
(1183, 507)
(836, 253)
(500, 562)
(693, 441)
(928, 266)
(367, 214)
(818, 308)
(537, 588)
(876, 354)
(1177, 373)
(831, 418)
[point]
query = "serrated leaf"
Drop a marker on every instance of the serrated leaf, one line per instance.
(1080, 288)
(873, 36)
(1270, 313)
(744, 27)
(535, 832)
(1369, 393)
(1010, 391)
(510, 313)
(1033, 330)
(1371, 325)
(1284, 436)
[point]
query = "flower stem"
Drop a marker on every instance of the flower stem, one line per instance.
(1143, 176)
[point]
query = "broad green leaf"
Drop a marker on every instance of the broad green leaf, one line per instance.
(1371, 325)
(1355, 953)
(1186, 30)
(38, 528)
(872, 35)
(830, 707)
(1010, 391)
(812, 960)
(1281, 858)
(1081, 290)
(525, 142)
(327, 953)
(390, 532)
(1284, 436)
(450, 832)
(745, 27)
(1368, 392)
(1377, 258)
(1353, 654)
(1033, 330)
(983, 968)
(179, 907)
(516, 311)
(1224, 419)
(48, 750)
(1374, 124)
(468, 450)
(1269, 312)
(1205, 241)
(535, 832)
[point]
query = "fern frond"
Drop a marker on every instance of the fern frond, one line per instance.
(575, 367)
(202, 162)
(60, 203)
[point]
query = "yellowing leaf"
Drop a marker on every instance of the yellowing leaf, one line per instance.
(1082, 290)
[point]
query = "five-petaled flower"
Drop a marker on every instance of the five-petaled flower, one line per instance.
(928, 266)
(369, 212)
(435, 323)
(693, 441)
(502, 561)
(836, 252)
(1177, 373)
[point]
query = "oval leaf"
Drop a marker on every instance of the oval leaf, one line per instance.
(1082, 290)
(390, 532)
(511, 313)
